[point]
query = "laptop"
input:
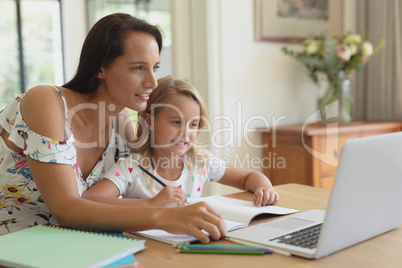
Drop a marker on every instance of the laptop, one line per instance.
(365, 201)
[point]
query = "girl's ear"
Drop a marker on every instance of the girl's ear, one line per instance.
(148, 120)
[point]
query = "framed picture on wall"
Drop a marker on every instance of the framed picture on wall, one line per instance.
(295, 20)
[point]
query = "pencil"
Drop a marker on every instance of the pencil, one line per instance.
(218, 249)
(198, 246)
(274, 250)
(155, 178)
(216, 246)
(152, 175)
(221, 252)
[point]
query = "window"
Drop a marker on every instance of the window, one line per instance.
(156, 12)
(32, 52)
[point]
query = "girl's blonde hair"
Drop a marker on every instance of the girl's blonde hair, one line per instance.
(168, 91)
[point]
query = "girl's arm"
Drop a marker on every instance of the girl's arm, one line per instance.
(253, 181)
(43, 112)
(106, 191)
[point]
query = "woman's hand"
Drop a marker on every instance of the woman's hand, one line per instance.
(169, 196)
(199, 220)
(264, 196)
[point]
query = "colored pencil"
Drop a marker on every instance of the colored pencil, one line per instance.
(222, 249)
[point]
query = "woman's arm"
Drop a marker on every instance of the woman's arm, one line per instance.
(43, 111)
(256, 182)
(71, 210)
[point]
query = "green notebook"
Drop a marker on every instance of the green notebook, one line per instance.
(50, 246)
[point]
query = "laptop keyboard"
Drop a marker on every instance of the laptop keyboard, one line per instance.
(305, 238)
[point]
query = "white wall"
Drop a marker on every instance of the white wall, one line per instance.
(244, 78)
(258, 80)
(259, 75)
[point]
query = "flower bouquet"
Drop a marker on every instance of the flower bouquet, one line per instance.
(336, 57)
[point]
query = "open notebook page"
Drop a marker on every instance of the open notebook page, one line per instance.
(239, 210)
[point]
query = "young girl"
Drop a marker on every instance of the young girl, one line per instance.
(167, 132)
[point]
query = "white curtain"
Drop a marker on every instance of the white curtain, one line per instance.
(378, 94)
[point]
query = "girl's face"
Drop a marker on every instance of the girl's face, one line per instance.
(131, 77)
(175, 127)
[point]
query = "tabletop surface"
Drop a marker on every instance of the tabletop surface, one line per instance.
(381, 251)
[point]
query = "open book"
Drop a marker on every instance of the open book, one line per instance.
(236, 213)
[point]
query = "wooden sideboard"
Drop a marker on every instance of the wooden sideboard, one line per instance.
(292, 161)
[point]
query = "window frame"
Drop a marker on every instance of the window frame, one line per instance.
(21, 62)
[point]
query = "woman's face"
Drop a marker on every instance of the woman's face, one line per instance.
(131, 77)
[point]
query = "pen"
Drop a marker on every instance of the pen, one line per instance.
(155, 178)
(222, 249)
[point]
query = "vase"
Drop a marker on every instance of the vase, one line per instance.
(337, 99)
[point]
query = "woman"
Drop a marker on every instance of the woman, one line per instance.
(56, 142)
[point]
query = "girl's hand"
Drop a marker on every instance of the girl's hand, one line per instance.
(264, 196)
(168, 196)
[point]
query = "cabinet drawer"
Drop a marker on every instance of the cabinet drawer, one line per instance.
(330, 148)
(327, 182)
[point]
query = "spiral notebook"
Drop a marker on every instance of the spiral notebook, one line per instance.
(52, 246)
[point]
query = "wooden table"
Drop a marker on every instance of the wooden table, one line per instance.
(381, 251)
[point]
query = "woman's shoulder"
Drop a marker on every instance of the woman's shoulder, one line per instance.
(43, 111)
(48, 96)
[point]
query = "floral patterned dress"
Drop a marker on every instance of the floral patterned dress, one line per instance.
(21, 204)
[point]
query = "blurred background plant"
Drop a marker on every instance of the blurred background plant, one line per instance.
(336, 57)
(334, 54)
